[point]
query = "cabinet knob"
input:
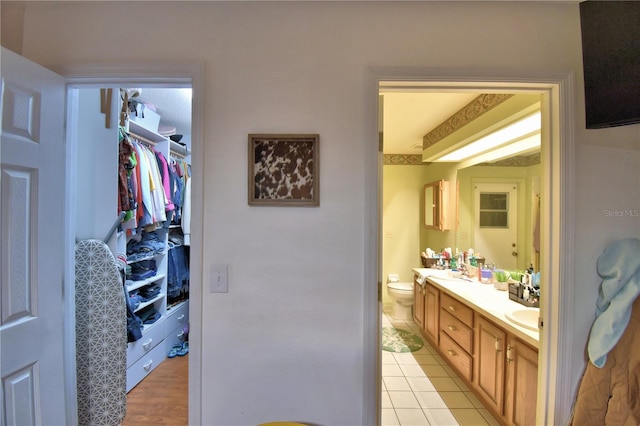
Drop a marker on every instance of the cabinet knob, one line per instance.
(451, 328)
(452, 352)
(452, 308)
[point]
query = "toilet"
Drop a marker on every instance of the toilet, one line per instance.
(402, 295)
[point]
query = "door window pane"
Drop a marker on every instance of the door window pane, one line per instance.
(494, 212)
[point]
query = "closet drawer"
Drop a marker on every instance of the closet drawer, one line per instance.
(144, 366)
(457, 330)
(150, 339)
(178, 316)
(457, 309)
(458, 358)
(175, 336)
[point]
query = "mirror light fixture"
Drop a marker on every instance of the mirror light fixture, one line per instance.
(520, 137)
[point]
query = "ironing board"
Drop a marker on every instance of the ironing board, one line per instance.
(101, 336)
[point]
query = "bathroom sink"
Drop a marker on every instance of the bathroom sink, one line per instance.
(525, 317)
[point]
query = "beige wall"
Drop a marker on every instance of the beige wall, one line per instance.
(287, 340)
(401, 222)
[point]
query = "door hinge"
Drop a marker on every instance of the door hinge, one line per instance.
(540, 323)
(379, 291)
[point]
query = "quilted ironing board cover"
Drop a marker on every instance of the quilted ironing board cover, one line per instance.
(101, 336)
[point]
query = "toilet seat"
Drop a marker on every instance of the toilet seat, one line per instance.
(408, 286)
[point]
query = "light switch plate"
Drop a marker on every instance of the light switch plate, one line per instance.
(219, 279)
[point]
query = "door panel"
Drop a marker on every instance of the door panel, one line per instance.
(496, 223)
(32, 254)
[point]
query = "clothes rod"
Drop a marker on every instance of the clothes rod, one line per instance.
(142, 139)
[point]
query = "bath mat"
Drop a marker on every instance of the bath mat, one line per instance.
(398, 340)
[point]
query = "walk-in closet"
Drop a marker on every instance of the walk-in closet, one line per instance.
(133, 197)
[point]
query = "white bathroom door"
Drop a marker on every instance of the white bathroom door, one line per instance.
(496, 223)
(32, 224)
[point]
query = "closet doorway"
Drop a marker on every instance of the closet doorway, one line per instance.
(175, 94)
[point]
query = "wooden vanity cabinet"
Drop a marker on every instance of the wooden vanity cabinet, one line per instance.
(490, 363)
(431, 313)
(418, 304)
(521, 383)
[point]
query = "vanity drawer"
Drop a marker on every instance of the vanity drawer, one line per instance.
(458, 358)
(457, 309)
(457, 330)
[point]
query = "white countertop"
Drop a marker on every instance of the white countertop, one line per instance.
(483, 298)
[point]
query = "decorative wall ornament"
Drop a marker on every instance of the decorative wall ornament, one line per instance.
(473, 110)
(284, 170)
(517, 161)
(403, 160)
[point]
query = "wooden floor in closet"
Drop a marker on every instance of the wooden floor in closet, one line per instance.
(162, 398)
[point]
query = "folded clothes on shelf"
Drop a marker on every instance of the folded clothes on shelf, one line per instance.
(149, 244)
(143, 270)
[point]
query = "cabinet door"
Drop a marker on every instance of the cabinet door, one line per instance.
(431, 312)
(522, 383)
(489, 369)
(418, 304)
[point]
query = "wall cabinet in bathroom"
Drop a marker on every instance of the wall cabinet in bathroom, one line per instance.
(436, 212)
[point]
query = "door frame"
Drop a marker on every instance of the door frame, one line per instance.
(555, 391)
(140, 75)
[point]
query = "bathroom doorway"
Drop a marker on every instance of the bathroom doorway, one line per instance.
(553, 203)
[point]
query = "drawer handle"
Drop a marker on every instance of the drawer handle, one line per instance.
(452, 308)
(451, 328)
(147, 344)
(181, 318)
(509, 354)
(180, 335)
(452, 352)
(147, 366)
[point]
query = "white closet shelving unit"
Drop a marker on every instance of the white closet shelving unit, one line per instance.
(145, 354)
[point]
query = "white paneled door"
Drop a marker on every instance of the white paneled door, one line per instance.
(32, 254)
(496, 223)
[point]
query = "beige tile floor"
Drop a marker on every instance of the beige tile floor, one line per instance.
(419, 388)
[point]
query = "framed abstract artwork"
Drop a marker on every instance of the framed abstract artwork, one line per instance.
(284, 170)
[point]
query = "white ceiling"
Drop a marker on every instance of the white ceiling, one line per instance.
(173, 106)
(408, 116)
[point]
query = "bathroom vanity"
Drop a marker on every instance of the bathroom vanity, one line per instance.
(488, 339)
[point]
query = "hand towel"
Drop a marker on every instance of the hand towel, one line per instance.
(619, 268)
